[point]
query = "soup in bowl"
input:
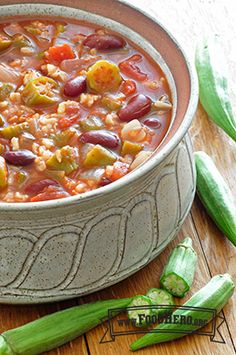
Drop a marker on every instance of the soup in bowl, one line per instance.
(80, 108)
(96, 171)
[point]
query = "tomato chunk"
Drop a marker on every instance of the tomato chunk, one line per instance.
(66, 122)
(129, 68)
(57, 54)
(128, 87)
(50, 193)
(119, 169)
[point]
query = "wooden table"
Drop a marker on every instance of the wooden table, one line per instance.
(188, 20)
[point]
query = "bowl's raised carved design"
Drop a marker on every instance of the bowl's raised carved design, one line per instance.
(72, 259)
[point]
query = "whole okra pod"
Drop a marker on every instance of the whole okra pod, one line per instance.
(56, 329)
(213, 295)
(216, 195)
(213, 86)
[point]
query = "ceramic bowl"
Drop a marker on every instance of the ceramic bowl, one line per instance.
(60, 249)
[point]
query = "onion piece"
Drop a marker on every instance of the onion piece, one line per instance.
(48, 33)
(9, 75)
(140, 158)
(13, 29)
(68, 65)
(133, 131)
(92, 174)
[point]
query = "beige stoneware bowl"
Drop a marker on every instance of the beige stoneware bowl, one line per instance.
(60, 249)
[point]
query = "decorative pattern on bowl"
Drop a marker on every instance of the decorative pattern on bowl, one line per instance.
(78, 254)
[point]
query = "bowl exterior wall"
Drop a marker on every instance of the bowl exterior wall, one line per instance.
(78, 249)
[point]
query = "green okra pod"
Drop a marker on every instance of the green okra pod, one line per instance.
(213, 86)
(178, 274)
(216, 195)
(213, 295)
(56, 329)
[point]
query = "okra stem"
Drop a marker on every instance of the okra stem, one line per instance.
(213, 296)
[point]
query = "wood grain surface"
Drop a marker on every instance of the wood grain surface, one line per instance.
(187, 20)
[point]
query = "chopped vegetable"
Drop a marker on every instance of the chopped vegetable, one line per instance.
(60, 28)
(120, 169)
(57, 54)
(3, 173)
(20, 41)
(131, 148)
(104, 76)
(2, 148)
(56, 329)
(177, 276)
(129, 68)
(33, 29)
(111, 103)
(9, 75)
(5, 90)
(99, 156)
(20, 177)
(64, 159)
(2, 121)
(213, 295)
(63, 138)
(5, 42)
(140, 158)
(161, 298)
(67, 121)
(50, 193)
(139, 313)
(128, 87)
(13, 131)
(91, 123)
(216, 195)
(41, 91)
(133, 131)
(214, 95)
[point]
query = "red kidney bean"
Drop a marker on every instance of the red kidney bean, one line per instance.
(137, 107)
(105, 181)
(152, 122)
(19, 157)
(106, 139)
(75, 86)
(104, 41)
(38, 186)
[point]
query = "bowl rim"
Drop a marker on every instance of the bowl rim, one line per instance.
(151, 163)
